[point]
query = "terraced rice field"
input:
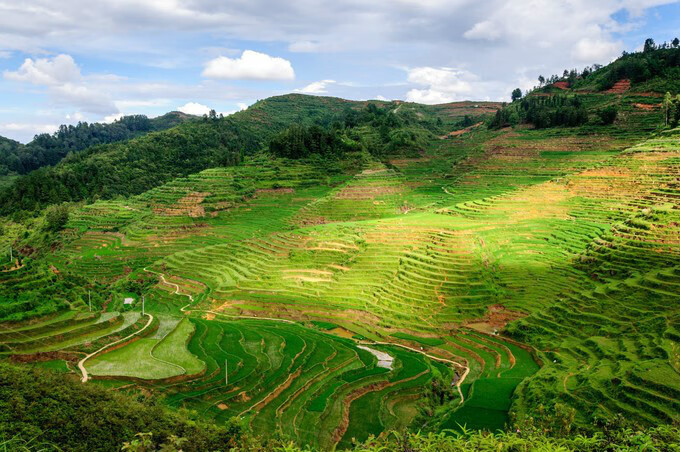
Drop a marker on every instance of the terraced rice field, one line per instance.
(496, 272)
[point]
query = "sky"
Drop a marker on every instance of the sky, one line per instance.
(79, 60)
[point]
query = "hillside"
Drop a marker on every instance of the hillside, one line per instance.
(331, 270)
(47, 150)
(131, 167)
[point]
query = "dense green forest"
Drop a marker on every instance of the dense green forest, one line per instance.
(376, 130)
(48, 408)
(49, 149)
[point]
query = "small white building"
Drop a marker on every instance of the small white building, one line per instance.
(128, 300)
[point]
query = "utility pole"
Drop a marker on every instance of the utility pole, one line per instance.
(226, 373)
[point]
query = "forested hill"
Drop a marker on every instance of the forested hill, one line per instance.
(48, 149)
(8, 148)
(134, 166)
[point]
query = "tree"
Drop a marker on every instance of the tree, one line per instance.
(516, 94)
(56, 217)
(675, 43)
(541, 80)
(650, 46)
(608, 115)
(667, 105)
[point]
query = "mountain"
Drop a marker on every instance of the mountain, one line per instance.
(133, 166)
(48, 150)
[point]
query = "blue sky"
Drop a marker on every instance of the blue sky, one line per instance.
(62, 62)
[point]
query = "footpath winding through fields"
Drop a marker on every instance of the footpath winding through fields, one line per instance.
(81, 363)
(436, 358)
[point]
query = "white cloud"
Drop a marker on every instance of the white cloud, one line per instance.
(77, 116)
(44, 71)
(65, 84)
(442, 85)
(305, 46)
(316, 87)
(111, 118)
(588, 50)
(194, 108)
(26, 127)
(250, 65)
(483, 30)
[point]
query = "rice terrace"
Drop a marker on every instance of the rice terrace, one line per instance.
(315, 273)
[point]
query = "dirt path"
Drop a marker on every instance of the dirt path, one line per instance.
(81, 363)
(436, 358)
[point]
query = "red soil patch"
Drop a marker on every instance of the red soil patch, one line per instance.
(649, 94)
(561, 85)
(495, 319)
(457, 133)
(189, 205)
(647, 107)
(619, 87)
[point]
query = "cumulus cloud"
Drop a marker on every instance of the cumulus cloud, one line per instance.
(319, 87)
(251, 65)
(588, 50)
(194, 108)
(44, 71)
(441, 85)
(64, 83)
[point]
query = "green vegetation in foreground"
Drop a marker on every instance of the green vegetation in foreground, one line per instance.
(50, 413)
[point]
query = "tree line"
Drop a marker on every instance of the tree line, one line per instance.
(49, 149)
(662, 60)
(130, 167)
(542, 112)
(377, 130)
